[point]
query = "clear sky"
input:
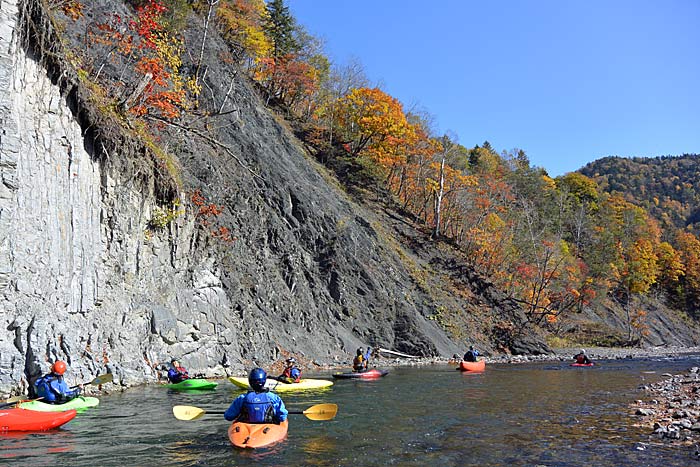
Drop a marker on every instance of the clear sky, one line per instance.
(568, 81)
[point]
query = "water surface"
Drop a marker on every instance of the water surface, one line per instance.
(540, 414)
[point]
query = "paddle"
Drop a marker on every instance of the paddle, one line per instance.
(315, 412)
(102, 379)
(12, 400)
(16, 399)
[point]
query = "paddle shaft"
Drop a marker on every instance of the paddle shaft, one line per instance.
(221, 412)
(9, 404)
(102, 379)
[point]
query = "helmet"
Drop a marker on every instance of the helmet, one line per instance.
(291, 360)
(359, 351)
(59, 367)
(583, 350)
(257, 378)
(471, 347)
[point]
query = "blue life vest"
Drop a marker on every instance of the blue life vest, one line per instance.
(46, 388)
(176, 376)
(258, 408)
(295, 373)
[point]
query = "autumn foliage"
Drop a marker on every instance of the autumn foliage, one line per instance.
(552, 245)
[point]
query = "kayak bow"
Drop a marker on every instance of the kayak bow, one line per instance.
(32, 420)
(272, 385)
(369, 374)
(80, 403)
(195, 383)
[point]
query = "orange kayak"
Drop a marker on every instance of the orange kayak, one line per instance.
(256, 435)
(472, 366)
(32, 420)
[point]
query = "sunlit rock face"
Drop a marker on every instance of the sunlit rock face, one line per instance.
(84, 276)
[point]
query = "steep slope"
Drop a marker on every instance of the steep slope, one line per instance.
(99, 268)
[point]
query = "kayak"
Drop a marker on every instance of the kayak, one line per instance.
(472, 366)
(274, 385)
(256, 435)
(369, 374)
(195, 383)
(583, 364)
(80, 403)
(32, 420)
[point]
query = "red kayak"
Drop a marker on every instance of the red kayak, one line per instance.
(472, 366)
(583, 364)
(369, 374)
(32, 420)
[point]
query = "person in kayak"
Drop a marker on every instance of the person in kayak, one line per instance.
(361, 360)
(177, 373)
(291, 373)
(53, 389)
(259, 405)
(581, 358)
(471, 355)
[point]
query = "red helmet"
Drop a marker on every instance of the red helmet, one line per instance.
(58, 367)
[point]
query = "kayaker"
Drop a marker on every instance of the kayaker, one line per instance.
(291, 373)
(177, 373)
(53, 389)
(581, 358)
(471, 355)
(259, 405)
(359, 363)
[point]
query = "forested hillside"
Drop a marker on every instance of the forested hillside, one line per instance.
(668, 187)
(555, 246)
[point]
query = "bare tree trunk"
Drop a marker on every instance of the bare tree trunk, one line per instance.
(438, 197)
(212, 4)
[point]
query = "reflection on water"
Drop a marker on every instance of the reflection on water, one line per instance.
(520, 415)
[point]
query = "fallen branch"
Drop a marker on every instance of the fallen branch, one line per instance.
(206, 138)
(397, 353)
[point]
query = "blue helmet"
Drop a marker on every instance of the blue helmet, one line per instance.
(257, 378)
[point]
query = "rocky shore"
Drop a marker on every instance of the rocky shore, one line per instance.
(381, 359)
(673, 412)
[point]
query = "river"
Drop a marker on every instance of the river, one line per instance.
(536, 414)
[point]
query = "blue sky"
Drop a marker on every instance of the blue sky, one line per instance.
(567, 81)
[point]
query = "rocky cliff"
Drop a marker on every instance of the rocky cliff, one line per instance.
(108, 262)
(85, 278)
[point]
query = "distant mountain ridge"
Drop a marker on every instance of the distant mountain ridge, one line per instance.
(667, 186)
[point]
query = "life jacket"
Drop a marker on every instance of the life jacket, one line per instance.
(257, 408)
(177, 374)
(358, 363)
(45, 390)
(292, 372)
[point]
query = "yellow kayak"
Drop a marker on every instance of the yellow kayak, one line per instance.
(276, 386)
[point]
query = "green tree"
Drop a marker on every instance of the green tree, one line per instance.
(280, 28)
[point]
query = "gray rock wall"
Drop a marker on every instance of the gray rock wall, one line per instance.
(83, 279)
(79, 279)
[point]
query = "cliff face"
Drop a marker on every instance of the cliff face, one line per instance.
(87, 276)
(84, 279)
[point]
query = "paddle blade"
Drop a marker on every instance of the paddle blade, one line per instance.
(102, 379)
(14, 399)
(321, 412)
(188, 412)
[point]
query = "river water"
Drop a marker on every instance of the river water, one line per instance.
(538, 414)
